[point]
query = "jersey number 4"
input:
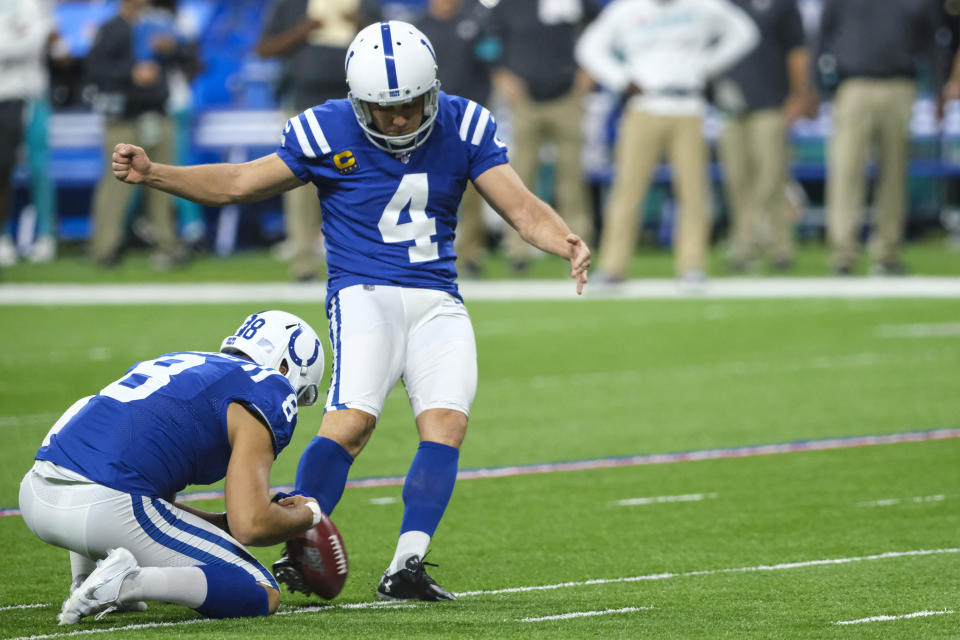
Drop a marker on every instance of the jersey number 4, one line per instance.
(413, 192)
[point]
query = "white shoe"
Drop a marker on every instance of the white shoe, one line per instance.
(8, 251)
(44, 249)
(134, 606)
(100, 592)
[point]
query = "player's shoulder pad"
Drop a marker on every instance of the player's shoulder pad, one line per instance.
(472, 120)
(310, 132)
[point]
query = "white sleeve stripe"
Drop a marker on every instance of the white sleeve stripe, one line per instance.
(481, 127)
(467, 117)
(305, 145)
(317, 131)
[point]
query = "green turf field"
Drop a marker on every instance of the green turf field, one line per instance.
(722, 548)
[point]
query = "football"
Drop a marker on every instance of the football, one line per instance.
(320, 556)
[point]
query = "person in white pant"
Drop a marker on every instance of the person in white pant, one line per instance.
(106, 476)
(659, 54)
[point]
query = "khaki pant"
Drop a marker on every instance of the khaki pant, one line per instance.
(533, 124)
(153, 132)
(867, 111)
(641, 142)
(471, 232)
(301, 218)
(754, 153)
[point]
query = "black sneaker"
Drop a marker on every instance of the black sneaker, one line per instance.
(411, 583)
(287, 574)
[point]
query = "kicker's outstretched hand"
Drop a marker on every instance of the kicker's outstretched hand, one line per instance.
(130, 163)
(579, 257)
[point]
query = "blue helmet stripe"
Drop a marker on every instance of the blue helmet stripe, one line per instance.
(392, 83)
(427, 45)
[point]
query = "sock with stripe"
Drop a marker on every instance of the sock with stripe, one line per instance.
(426, 492)
(322, 472)
(178, 585)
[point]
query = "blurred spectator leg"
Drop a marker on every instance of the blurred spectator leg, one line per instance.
(110, 200)
(572, 202)
(42, 188)
(890, 199)
(158, 131)
(301, 212)
(11, 130)
(471, 233)
(846, 182)
(637, 155)
(189, 214)
(688, 159)
(738, 180)
(768, 146)
(525, 159)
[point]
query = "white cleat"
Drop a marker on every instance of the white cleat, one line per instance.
(100, 592)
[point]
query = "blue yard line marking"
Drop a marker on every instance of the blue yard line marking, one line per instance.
(749, 451)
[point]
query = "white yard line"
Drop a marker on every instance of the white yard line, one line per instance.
(563, 585)
(154, 625)
(719, 288)
(918, 614)
(924, 330)
(31, 418)
(585, 614)
(689, 497)
(35, 605)
(708, 572)
(889, 502)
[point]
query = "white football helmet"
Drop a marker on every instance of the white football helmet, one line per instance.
(392, 63)
(274, 338)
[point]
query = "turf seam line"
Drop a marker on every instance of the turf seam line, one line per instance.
(657, 576)
(918, 614)
(749, 451)
(584, 614)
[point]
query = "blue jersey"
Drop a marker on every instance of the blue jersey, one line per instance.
(388, 219)
(163, 425)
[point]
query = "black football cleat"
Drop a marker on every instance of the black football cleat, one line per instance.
(412, 583)
(287, 574)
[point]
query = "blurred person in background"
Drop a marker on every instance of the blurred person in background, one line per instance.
(659, 55)
(873, 47)
(311, 38)
(43, 191)
(544, 88)
(131, 93)
(24, 29)
(456, 30)
(762, 96)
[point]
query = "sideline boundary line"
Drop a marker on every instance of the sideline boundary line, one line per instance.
(652, 289)
(564, 585)
(799, 446)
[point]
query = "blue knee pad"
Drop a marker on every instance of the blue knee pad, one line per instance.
(232, 593)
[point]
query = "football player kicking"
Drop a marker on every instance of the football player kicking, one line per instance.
(105, 478)
(390, 163)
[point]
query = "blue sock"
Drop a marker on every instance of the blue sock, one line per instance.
(232, 593)
(322, 472)
(428, 486)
